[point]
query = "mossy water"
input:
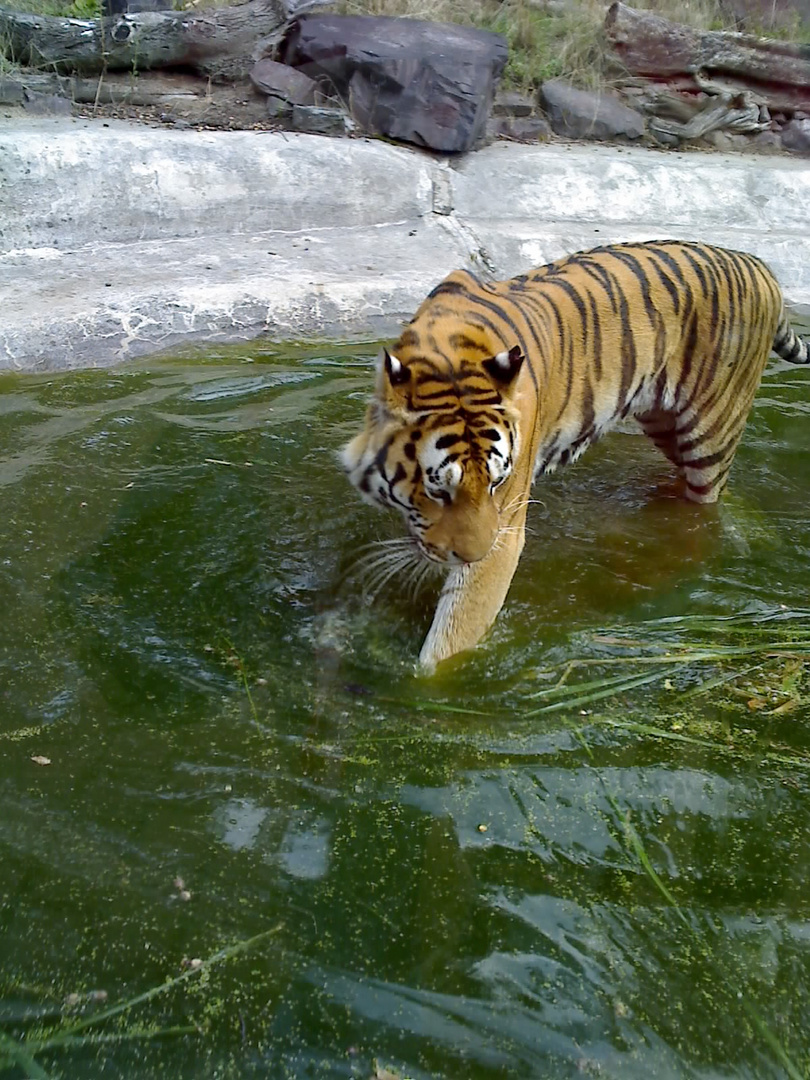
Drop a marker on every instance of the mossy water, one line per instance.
(583, 849)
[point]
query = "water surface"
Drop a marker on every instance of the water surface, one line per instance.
(209, 734)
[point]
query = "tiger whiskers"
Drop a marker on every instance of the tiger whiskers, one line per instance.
(420, 572)
(518, 503)
(382, 560)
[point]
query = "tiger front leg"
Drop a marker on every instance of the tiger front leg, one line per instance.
(471, 598)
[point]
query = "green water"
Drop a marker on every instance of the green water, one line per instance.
(449, 882)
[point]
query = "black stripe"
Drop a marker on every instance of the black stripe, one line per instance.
(707, 461)
(628, 352)
(407, 339)
(688, 359)
(603, 276)
(588, 412)
(596, 348)
(463, 341)
(637, 270)
(697, 269)
(673, 290)
(575, 296)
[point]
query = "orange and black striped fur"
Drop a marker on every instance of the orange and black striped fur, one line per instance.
(490, 384)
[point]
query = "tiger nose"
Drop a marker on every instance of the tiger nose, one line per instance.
(470, 549)
(466, 530)
(471, 545)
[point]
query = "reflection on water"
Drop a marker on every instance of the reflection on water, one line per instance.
(581, 850)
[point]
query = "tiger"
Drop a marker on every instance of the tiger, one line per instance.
(492, 383)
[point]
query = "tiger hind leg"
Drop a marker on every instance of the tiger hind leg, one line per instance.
(660, 427)
(704, 469)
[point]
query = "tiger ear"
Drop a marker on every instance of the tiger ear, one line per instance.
(504, 368)
(395, 371)
(393, 380)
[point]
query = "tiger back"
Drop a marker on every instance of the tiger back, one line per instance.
(491, 383)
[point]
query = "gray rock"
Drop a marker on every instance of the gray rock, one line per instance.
(279, 109)
(511, 103)
(426, 83)
(46, 104)
(318, 120)
(728, 141)
(282, 81)
(583, 114)
(11, 92)
(529, 129)
(765, 142)
(796, 136)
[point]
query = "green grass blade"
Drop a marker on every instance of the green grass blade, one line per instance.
(580, 687)
(74, 1042)
(610, 687)
(719, 680)
(115, 1010)
(22, 1057)
(768, 1036)
(637, 847)
(791, 760)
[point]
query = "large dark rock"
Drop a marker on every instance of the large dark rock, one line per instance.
(581, 114)
(46, 104)
(426, 83)
(512, 103)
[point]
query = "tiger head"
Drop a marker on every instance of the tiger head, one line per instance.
(440, 437)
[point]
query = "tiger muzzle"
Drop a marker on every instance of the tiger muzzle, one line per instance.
(464, 533)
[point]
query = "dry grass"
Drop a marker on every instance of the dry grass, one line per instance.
(563, 40)
(552, 38)
(73, 9)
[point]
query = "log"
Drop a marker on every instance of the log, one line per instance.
(138, 41)
(649, 45)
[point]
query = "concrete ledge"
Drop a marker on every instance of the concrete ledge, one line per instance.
(118, 240)
(561, 199)
(106, 302)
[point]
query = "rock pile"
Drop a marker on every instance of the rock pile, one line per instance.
(427, 84)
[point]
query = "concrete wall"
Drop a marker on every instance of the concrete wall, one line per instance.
(119, 240)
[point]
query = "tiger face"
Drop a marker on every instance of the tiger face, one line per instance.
(438, 442)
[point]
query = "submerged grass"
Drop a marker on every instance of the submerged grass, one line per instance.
(69, 1034)
(702, 676)
(634, 845)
